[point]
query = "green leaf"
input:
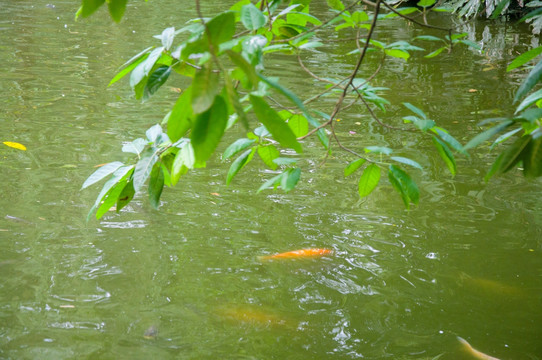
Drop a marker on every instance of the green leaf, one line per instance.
(126, 195)
(499, 8)
(234, 101)
(299, 125)
(273, 122)
(167, 37)
(287, 31)
(116, 9)
(353, 166)
(403, 45)
(378, 149)
(179, 120)
(505, 137)
(243, 64)
(530, 115)
(530, 81)
(156, 185)
(471, 44)
(238, 146)
(153, 133)
(143, 69)
(531, 14)
(144, 167)
(88, 7)
(110, 199)
(135, 147)
(427, 38)
(285, 48)
(459, 36)
(486, 135)
(407, 161)
(402, 11)
(494, 168)
(120, 174)
(252, 18)
(322, 136)
(302, 19)
(237, 7)
(324, 139)
(368, 180)
(130, 65)
(285, 161)
(184, 160)
(446, 154)
(524, 58)
(311, 45)
(513, 154)
(436, 52)
(290, 179)
(102, 172)
(399, 188)
(335, 4)
(450, 140)
(396, 53)
(274, 181)
(204, 89)
(359, 17)
(415, 110)
(221, 28)
(268, 154)
(529, 100)
(208, 130)
(157, 79)
(532, 158)
(408, 186)
(167, 174)
(239, 163)
(290, 95)
(426, 3)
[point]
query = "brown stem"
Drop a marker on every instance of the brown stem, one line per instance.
(350, 82)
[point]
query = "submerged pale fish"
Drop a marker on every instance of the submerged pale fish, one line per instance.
(303, 253)
(252, 315)
(473, 352)
(491, 286)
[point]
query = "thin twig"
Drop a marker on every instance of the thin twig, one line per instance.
(360, 96)
(310, 72)
(350, 82)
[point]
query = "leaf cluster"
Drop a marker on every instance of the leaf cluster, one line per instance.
(221, 59)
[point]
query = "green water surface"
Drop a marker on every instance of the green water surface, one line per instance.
(185, 282)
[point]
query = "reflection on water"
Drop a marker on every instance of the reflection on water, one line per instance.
(186, 281)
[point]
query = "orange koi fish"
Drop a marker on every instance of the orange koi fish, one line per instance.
(473, 352)
(303, 253)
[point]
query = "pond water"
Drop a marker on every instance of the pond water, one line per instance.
(185, 282)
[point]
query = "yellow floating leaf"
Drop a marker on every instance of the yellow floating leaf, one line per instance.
(15, 145)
